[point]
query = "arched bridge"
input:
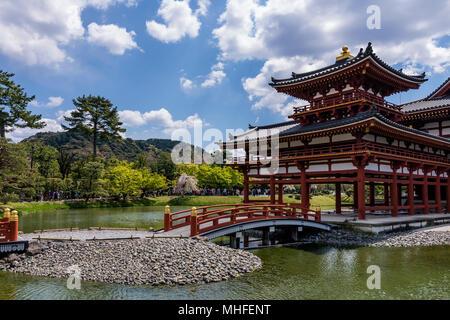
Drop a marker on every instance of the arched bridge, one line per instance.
(221, 220)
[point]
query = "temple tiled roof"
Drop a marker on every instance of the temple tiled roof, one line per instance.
(263, 131)
(445, 83)
(431, 102)
(366, 115)
(362, 55)
(423, 105)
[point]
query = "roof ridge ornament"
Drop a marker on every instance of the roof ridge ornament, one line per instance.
(345, 54)
(369, 49)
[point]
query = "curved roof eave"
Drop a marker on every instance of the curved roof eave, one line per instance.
(340, 66)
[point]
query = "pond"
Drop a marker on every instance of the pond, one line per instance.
(306, 272)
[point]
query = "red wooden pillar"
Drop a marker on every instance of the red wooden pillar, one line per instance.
(394, 193)
(361, 193)
(411, 192)
(438, 192)
(272, 189)
(386, 194)
(304, 192)
(448, 192)
(280, 193)
(426, 208)
(246, 187)
(338, 198)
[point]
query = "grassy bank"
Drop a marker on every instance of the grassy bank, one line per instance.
(324, 202)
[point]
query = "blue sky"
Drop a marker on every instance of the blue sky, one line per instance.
(168, 64)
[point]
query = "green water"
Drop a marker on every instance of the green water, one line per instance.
(307, 272)
(141, 217)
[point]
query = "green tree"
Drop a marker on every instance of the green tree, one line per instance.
(87, 178)
(44, 158)
(214, 177)
(123, 181)
(164, 165)
(95, 117)
(141, 161)
(16, 176)
(152, 181)
(13, 106)
(189, 169)
(65, 162)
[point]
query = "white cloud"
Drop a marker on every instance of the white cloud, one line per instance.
(21, 133)
(37, 31)
(179, 20)
(161, 118)
(265, 96)
(186, 84)
(300, 35)
(215, 77)
(52, 102)
(117, 40)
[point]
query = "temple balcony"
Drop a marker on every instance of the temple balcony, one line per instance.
(344, 150)
(345, 105)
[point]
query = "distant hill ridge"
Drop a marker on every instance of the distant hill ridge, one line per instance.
(125, 149)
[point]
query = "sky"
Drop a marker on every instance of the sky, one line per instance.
(169, 65)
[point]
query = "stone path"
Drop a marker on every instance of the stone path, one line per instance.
(91, 234)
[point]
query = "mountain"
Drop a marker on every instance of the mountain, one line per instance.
(125, 149)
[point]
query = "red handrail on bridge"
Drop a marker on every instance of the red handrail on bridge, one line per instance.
(9, 226)
(202, 219)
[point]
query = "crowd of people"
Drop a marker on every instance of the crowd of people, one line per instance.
(61, 195)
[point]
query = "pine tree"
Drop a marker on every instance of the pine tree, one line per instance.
(13, 106)
(95, 117)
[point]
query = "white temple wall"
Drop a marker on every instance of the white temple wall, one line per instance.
(342, 137)
(320, 140)
(297, 143)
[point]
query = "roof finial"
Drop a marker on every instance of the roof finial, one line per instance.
(369, 48)
(345, 54)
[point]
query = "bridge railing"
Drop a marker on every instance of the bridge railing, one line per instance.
(174, 220)
(208, 218)
(9, 226)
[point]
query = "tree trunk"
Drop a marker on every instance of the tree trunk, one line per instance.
(2, 130)
(95, 144)
(95, 139)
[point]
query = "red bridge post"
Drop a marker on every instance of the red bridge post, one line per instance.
(318, 216)
(194, 218)
(14, 226)
(10, 225)
(167, 226)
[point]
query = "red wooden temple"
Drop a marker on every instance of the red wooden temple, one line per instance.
(349, 134)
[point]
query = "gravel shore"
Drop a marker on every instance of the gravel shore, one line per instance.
(135, 262)
(342, 237)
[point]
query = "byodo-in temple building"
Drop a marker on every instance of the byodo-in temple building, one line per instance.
(349, 134)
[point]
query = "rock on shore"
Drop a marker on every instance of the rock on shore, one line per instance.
(344, 237)
(136, 262)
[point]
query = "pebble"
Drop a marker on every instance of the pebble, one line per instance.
(135, 262)
(348, 238)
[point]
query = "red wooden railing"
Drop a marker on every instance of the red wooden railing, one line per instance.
(209, 218)
(354, 147)
(9, 226)
(355, 96)
(365, 146)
